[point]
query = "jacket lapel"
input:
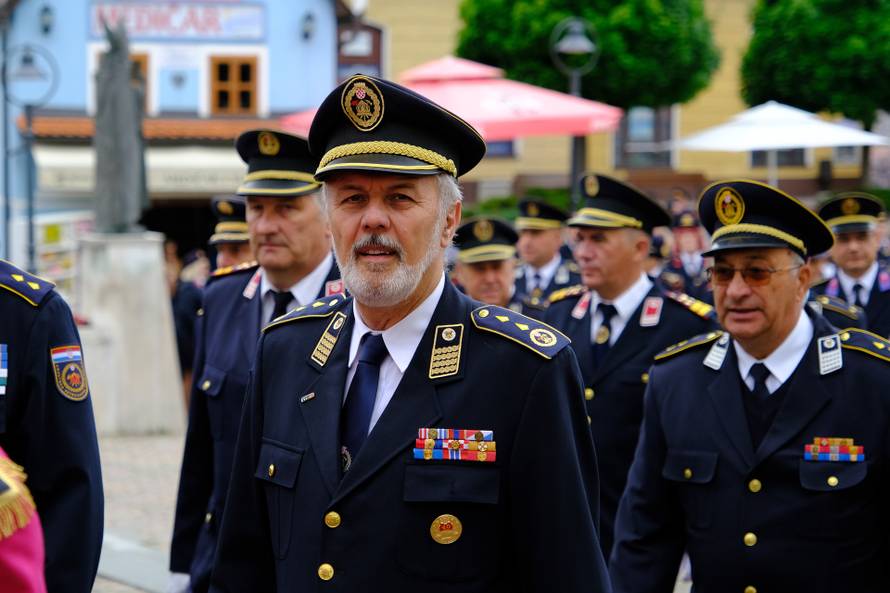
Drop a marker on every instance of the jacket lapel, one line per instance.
(578, 330)
(726, 396)
(322, 412)
(415, 402)
(628, 343)
(249, 314)
(877, 302)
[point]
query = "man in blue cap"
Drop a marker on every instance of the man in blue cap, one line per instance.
(230, 238)
(294, 266)
(860, 279)
(618, 319)
(685, 270)
(544, 269)
(764, 449)
(382, 447)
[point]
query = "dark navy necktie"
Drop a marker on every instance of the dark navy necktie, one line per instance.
(760, 374)
(282, 300)
(603, 335)
(356, 416)
(857, 295)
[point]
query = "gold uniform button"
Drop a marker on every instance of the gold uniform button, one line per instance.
(208, 517)
(332, 520)
(750, 539)
(588, 394)
(271, 469)
(205, 385)
(687, 473)
(589, 420)
(755, 485)
(750, 589)
(325, 572)
(833, 481)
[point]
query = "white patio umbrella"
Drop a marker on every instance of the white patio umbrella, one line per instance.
(773, 126)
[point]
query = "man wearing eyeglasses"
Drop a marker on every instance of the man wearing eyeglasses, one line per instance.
(618, 320)
(764, 448)
(860, 279)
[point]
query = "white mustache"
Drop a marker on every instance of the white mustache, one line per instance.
(378, 241)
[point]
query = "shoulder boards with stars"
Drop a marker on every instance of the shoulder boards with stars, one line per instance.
(567, 292)
(320, 308)
(865, 341)
(694, 342)
(534, 335)
(838, 305)
(16, 504)
(233, 269)
(28, 286)
(700, 308)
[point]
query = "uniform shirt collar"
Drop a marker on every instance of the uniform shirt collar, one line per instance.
(402, 338)
(626, 303)
(308, 288)
(782, 361)
(547, 271)
(867, 280)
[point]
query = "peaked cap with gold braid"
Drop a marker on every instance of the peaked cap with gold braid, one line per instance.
(278, 165)
(231, 223)
(744, 214)
(484, 239)
(851, 212)
(611, 204)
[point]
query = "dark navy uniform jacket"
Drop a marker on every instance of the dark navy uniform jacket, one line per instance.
(227, 336)
(566, 275)
(877, 310)
(614, 392)
(838, 312)
(763, 519)
(47, 425)
(528, 517)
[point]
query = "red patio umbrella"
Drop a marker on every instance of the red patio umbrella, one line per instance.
(499, 108)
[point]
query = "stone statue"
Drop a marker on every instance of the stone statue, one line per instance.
(121, 193)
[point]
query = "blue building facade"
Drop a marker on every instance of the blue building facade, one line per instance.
(212, 68)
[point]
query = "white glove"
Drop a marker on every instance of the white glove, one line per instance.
(179, 582)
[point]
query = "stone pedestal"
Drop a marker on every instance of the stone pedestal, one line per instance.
(129, 343)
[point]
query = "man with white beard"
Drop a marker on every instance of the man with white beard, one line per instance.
(381, 447)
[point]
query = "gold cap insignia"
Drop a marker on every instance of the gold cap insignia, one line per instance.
(483, 230)
(362, 102)
(850, 206)
(224, 208)
(591, 185)
(687, 220)
(533, 209)
(446, 529)
(268, 143)
(729, 206)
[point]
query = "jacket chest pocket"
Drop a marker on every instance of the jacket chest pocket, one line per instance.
(225, 394)
(692, 473)
(448, 528)
(278, 467)
(835, 499)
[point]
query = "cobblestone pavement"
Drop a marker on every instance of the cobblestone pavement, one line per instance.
(140, 475)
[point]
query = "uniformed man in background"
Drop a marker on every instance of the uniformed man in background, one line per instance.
(230, 238)
(486, 265)
(289, 236)
(541, 235)
(860, 279)
(685, 269)
(383, 446)
(764, 448)
(47, 425)
(618, 319)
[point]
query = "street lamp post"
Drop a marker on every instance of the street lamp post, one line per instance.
(574, 52)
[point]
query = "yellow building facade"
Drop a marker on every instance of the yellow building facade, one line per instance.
(417, 31)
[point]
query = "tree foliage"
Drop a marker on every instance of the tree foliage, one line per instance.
(652, 52)
(821, 55)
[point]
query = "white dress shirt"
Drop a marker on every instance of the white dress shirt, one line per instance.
(401, 342)
(305, 291)
(783, 360)
(625, 305)
(546, 272)
(867, 281)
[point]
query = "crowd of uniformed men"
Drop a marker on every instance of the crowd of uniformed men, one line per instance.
(389, 397)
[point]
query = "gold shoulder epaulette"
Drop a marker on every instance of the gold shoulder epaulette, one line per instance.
(865, 341)
(232, 269)
(320, 308)
(839, 305)
(564, 293)
(531, 333)
(16, 504)
(693, 342)
(19, 282)
(700, 308)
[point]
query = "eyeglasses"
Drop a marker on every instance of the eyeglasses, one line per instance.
(753, 276)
